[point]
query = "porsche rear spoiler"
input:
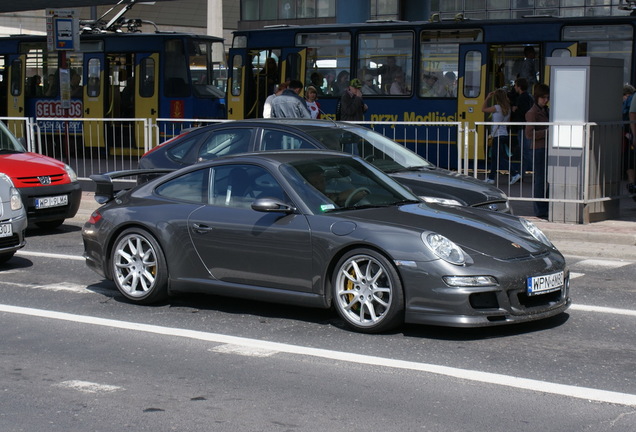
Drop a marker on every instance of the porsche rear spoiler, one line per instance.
(105, 189)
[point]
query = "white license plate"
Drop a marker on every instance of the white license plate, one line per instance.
(6, 230)
(54, 201)
(545, 284)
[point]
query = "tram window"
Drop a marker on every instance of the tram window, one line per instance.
(208, 70)
(439, 54)
(561, 52)
(239, 42)
(328, 56)
(294, 64)
(94, 82)
(609, 41)
(147, 77)
(385, 63)
(237, 74)
(16, 77)
(472, 74)
(176, 69)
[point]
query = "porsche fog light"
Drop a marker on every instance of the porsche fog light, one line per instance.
(535, 232)
(470, 281)
(444, 248)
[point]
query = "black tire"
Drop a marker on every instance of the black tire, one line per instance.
(367, 292)
(6, 257)
(139, 267)
(50, 224)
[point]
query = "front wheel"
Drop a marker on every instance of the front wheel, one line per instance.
(139, 267)
(367, 292)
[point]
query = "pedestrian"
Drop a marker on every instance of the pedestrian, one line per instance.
(311, 99)
(499, 152)
(352, 106)
(368, 87)
(267, 107)
(398, 86)
(289, 103)
(528, 68)
(523, 103)
(538, 135)
(339, 86)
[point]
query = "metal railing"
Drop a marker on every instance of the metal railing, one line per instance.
(591, 156)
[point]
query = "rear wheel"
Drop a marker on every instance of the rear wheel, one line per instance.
(367, 292)
(139, 267)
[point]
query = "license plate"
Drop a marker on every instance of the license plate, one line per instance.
(6, 230)
(545, 284)
(54, 201)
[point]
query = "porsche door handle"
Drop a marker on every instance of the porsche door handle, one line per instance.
(201, 228)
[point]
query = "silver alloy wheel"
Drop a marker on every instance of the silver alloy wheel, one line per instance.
(135, 265)
(364, 290)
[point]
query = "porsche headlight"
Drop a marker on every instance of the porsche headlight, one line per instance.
(444, 248)
(536, 232)
(70, 173)
(443, 201)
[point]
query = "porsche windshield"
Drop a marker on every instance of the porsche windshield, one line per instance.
(382, 152)
(344, 183)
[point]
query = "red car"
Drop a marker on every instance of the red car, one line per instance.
(49, 188)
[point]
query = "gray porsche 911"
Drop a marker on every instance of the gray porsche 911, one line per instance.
(322, 229)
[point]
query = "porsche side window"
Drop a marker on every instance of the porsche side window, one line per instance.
(279, 140)
(240, 185)
(225, 142)
(191, 187)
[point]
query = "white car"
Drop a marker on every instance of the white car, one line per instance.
(13, 220)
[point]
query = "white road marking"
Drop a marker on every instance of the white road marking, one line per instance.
(466, 374)
(574, 275)
(51, 255)
(88, 387)
(242, 350)
(602, 263)
(601, 309)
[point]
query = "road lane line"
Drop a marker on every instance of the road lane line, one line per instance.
(602, 309)
(51, 255)
(88, 387)
(585, 393)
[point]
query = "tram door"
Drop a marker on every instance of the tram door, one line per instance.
(471, 92)
(146, 96)
(237, 82)
(16, 74)
(93, 105)
(293, 64)
(254, 75)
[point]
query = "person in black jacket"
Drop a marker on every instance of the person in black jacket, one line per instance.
(523, 102)
(352, 107)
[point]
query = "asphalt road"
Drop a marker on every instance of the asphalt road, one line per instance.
(76, 356)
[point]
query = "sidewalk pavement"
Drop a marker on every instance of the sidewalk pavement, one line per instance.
(613, 239)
